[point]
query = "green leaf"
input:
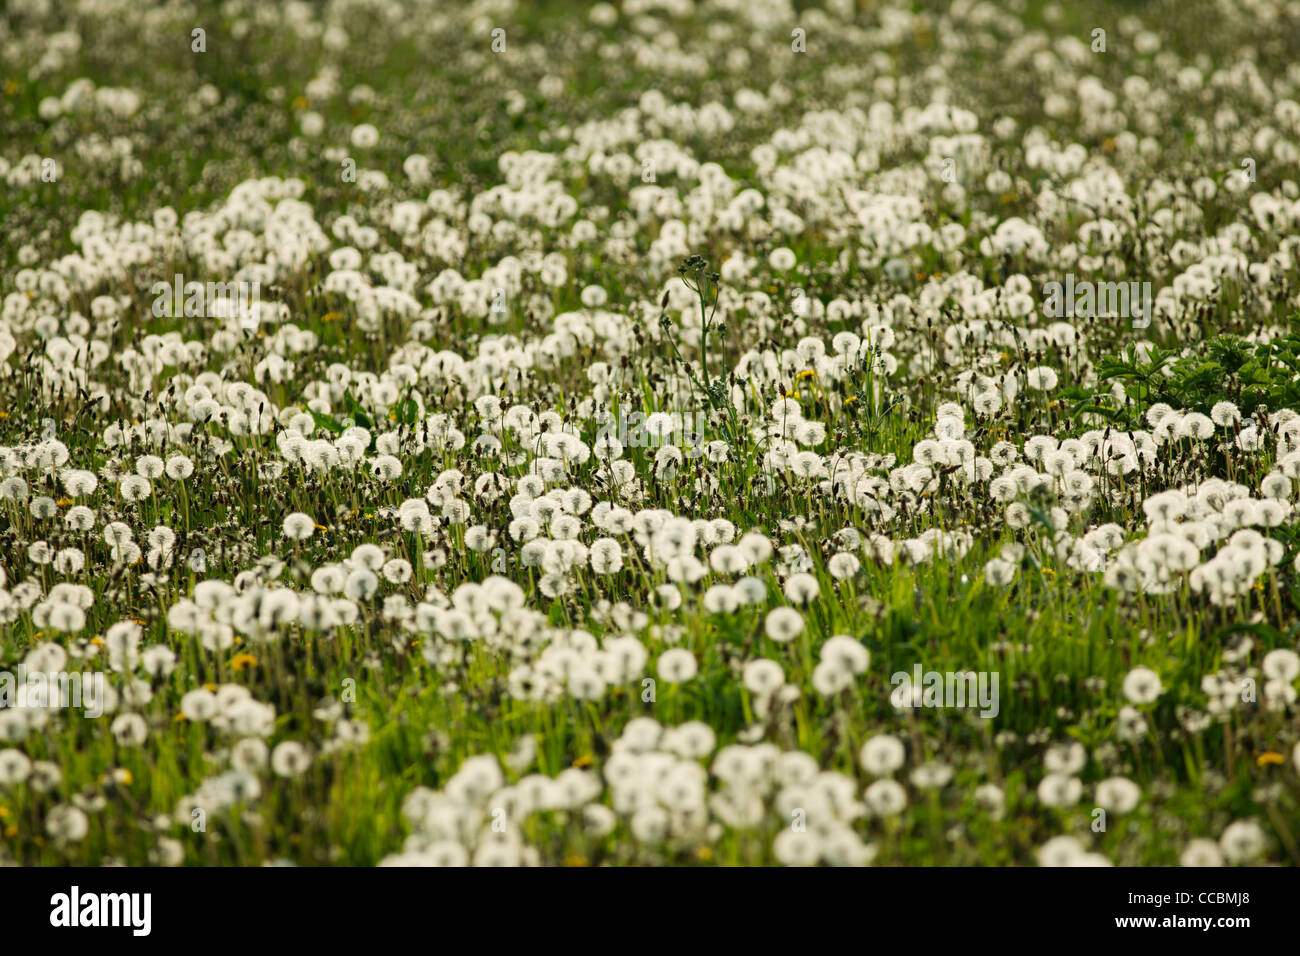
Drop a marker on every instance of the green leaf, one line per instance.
(405, 412)
(356, 412)
(327, 422)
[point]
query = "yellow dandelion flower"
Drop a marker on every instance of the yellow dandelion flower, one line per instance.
(1269, 757)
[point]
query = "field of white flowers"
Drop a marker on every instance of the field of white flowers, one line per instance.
(682, 432)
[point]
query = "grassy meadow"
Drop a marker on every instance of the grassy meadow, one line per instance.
(579, 425)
